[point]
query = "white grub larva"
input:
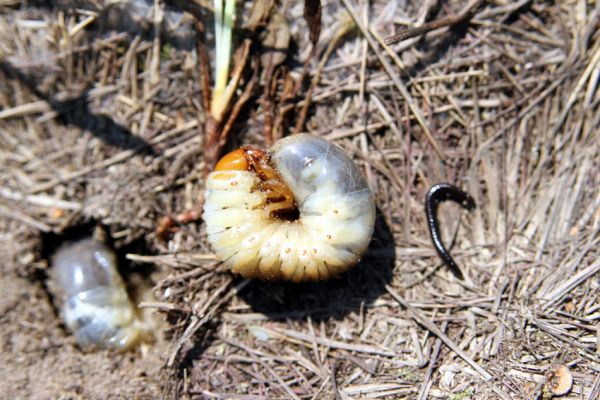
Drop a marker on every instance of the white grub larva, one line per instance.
(96, 308)
(300, 211)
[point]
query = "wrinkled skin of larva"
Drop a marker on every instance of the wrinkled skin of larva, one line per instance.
(336, 214)
(97, 309)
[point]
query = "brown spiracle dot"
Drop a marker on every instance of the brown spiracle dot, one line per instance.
(234, 183)
(303, 252)
(559, 380)
(288, 250)
(329, 237)
(335, 211)
(314, 251)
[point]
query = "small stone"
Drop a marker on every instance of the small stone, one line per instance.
(559, 380)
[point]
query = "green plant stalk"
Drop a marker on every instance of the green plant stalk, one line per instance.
(222, 93)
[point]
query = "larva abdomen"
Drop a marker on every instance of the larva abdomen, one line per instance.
(97, 309)
(335, 206)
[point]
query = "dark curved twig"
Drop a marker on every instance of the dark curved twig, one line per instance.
(464, 16)
(437, 194)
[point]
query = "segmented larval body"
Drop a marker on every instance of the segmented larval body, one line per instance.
(97, 309)
(335, 206)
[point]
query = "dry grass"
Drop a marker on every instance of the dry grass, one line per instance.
(109, 128)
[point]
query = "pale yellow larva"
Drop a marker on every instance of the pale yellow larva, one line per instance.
(96, 308)
(250, 221)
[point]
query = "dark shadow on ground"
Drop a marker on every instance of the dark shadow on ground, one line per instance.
(75, 111)
(334, 298)
(433, 50)
(136, 18)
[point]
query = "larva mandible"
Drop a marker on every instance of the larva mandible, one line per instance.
(96, 308)
(300, 211)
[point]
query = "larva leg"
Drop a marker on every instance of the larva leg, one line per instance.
(279, 196)
(273, 208)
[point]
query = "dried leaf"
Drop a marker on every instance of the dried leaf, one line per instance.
(312, 15)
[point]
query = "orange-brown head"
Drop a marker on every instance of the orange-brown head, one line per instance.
(236, 160)
(248, 158)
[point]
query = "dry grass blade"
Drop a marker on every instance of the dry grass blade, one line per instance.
(203, 315)
(395, 78)
(271, 371)
(18, 216)
(416, 314)
(289, 334)
(427, 383)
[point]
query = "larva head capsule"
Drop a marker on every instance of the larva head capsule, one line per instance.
(96, 309)
(299, 211)
(236, 160)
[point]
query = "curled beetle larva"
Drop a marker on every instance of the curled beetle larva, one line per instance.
(96, 306)
(299, 211)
